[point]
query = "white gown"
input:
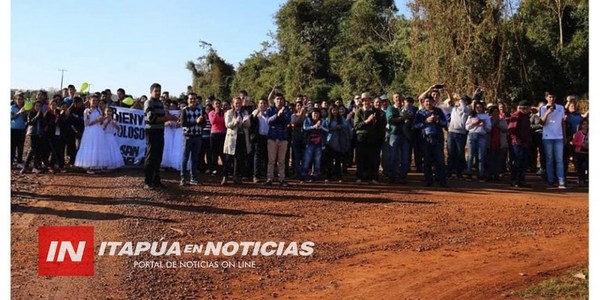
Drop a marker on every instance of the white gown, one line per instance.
(177, 150)
(168, 148)
(92, 150)
(113, 158)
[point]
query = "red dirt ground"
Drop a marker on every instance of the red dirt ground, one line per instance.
(473, 241)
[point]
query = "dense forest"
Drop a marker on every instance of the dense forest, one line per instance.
(337, 48)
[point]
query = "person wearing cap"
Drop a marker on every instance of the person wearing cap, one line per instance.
(553, 138)
(457, 137)
(430, 121)
(369, 123)
(520, 140)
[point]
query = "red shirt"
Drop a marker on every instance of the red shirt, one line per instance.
(519, 129)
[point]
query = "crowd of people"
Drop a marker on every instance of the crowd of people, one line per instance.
(267, 142)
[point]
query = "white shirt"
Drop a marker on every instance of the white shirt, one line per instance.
(263, 124)
(479, 129)
(552, 129)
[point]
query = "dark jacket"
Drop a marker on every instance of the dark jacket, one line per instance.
(51, 121)
(35, 123)
(373, 131)
(431, 131)
(278, 125)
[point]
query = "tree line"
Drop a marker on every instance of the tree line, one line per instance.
(337, 48)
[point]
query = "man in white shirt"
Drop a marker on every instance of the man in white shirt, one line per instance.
(553, 133)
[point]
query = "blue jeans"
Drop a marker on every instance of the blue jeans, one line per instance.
(298, 148)
(312, 155)
(477, 143)
(554, 158)
(433, 156)
(456, 152)
(399, 146)
(190, 146)
(519, 163)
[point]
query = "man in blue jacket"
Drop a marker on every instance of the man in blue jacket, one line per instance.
(278, 118)
(430, 121)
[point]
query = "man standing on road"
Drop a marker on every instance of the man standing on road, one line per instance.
(457, 137)
(553, 133)
(278, 118)
(155, 116)
(430, 120)
(192, 119)
(520, 139)
(370, 124)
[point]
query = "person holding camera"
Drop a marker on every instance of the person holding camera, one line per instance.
(553, 138)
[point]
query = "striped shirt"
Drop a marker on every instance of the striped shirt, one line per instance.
(206, 128)
(153, 108)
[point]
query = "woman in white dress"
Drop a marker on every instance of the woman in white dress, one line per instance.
(91, 151)
(173, 150)
(177, 149)
(170, 128)
(112, 158)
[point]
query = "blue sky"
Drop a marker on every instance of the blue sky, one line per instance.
(130, 44)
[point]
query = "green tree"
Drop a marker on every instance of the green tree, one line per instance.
(258, 73)
(307, 30)
(458, 43)
(211, 75)
(370, 53)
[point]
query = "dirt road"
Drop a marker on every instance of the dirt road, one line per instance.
(473, 241)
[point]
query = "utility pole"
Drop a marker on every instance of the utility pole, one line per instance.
(62, 73)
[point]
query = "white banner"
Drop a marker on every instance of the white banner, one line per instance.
(130, 136)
